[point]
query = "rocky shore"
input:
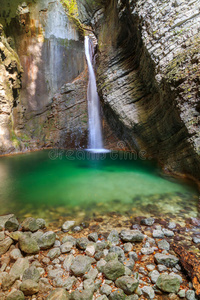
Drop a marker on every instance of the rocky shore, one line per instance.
(128, 260)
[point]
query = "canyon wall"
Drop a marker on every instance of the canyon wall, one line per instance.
(148, 76)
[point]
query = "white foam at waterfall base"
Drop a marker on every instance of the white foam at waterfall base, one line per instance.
(95, 130)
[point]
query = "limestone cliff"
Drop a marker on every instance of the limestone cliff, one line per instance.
(148, 76)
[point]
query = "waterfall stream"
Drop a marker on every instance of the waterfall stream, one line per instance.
(95, 131)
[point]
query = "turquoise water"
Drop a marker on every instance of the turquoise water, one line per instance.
(51, 183)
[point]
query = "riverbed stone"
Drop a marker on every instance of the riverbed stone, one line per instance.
(92, 273)
(47, 240)
(167, 260)
(28, 244)
(113, 237)
(82, 295)
(82, 243)
(31, 273)
(168, 283)
(68, 225)
(2, 235)
(196, 239)
(148, 292)
(66, 247)
(89, 284)
(147, 221)
(7, 281)
(69, 282)
(117, 295)
(158, 234)
(163, 245)
(154, 275)
(30, 224)
(131, 236)
(128, 247)
(100, 265)
(15, 295)
(15, 254)
(168, 233)
(90, 249)
(93, 237)
(53, 253)
(117, 250)
(68, 262)
(127, 284)
(19, 267)
(4, 219)
(133, 255)
(29, 287)
(41, 223)
(69, 238)
(12, 224)
(190, 295)
(15, 235)
(105, 289)
(81, 265)
(5, 245)
(58, 294)
(113, 269)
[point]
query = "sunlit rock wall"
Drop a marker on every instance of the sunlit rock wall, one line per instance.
(51, 52)
(148, 76)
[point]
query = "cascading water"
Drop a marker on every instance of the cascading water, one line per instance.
(95, 130)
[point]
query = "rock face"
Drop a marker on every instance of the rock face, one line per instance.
(34, 111)
(148, 77)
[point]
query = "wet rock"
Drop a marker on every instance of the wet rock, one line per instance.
(82, 295)
(68, 225)
(117, 295)
(12, 224)
(148, 292)
(190, 295)
(127, 284)
(47, 240)
(29, 287)
(15, 254)
(31, 273)
(113, 237)
(131, 236)
(148, 221)
(30, 224)
(106, 289)
(68, 262)
(53, 253)
(28, 244)
(113, 269)
(168, 283)
(19, 267)
(93, 237)
(81, 265)
(58, 294)
(82, 243)
(41, 223)
(5, 245)
(158, 234)
(66, 247)
(167, 260)
(163, 245)
(15, 295)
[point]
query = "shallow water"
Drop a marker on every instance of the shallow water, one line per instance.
(55, 183)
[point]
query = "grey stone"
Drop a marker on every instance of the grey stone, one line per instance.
(128, 247)
(29, 287)
(148, 221)
(150, 267)
(190, 295)
(82, 295)
(15, 295)
(55, 273)
(167, 283)
(154, 275)
(177, 275)
(82, 243)
(2, 235)
(128, 271)
(53, 253)
(66, 247)
(15, 254)
(161, 268)
(31, 273)
(129, 263)
(19, 267)
(103, 297)
(127, 284)
(158, 234)
(133, 255)
(12, 224)
(118, 251)
(58, 294)
(41, 223)
(196, 239)
(182, 293)
(7, 281)
(30, 224)
(28, 244)
(81, 265)
(93, 237)
(147, 251)
(69, 282)
(112, 255)
(100, 246)
(100, 264)
(89, 284)
(163, 245)
(105, 289)
(132, 297)
(68, 262)
(47, 240)
(168, 233)
(92, 274)
(90, 249)
(131, 236)
(148, 292)
(172, 225)
(117, 295)
(113, 269)
(44, 285)
(69, 238)
(167, 260)
(4, 219)
(5, 245)
(113, 237)
(68, 225)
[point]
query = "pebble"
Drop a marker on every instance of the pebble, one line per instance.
(158, 234)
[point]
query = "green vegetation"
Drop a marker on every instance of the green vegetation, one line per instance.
(72, 8)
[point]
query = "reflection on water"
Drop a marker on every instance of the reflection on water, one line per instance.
(75, 184)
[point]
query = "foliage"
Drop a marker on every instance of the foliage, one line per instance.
(71, 6)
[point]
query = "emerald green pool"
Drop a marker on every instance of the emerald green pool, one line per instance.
(76, 184)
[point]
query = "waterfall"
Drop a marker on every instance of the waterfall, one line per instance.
(95, 130)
